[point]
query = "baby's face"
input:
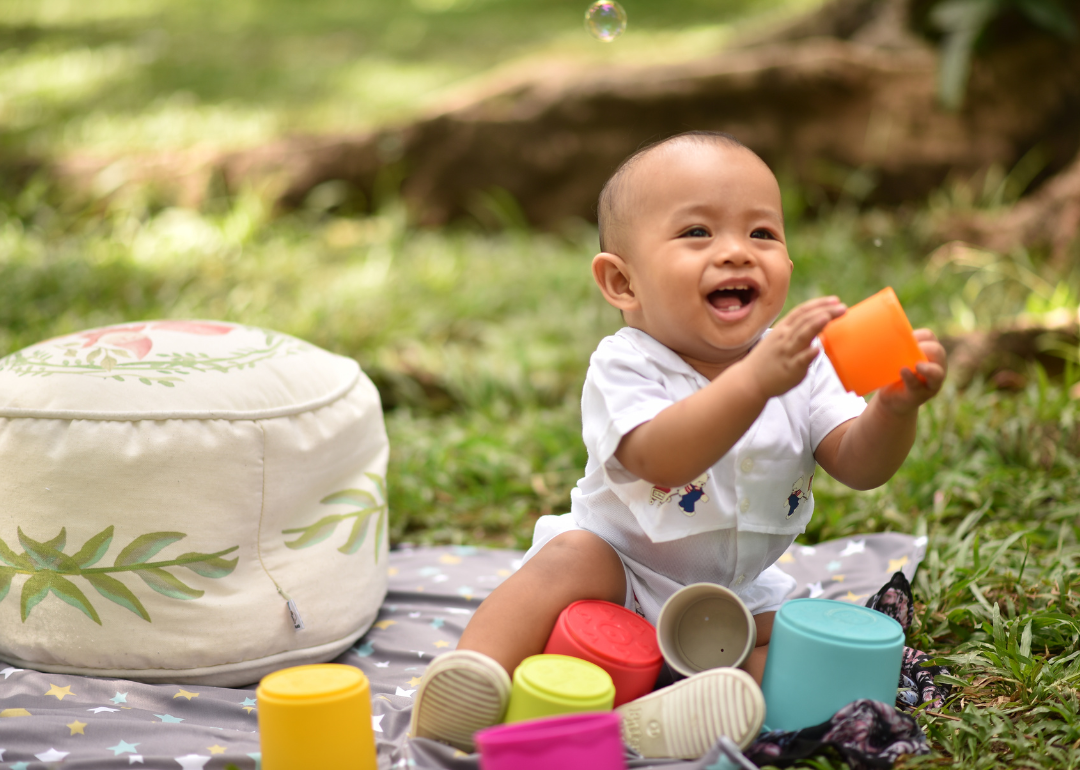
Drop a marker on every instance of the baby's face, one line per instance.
(704, 248)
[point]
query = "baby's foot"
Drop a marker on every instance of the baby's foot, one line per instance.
(461, 692)
(686, 719)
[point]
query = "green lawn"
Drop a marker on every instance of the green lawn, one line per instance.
(479, 340)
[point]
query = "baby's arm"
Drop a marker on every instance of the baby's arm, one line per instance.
(688, 437)
(866, 451)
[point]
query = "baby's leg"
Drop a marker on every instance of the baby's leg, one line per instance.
(755, 664)
(516, 620)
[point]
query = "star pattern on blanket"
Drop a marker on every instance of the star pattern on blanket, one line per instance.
(52, 755)
(392, 654)
(76, 727)
(123, 747)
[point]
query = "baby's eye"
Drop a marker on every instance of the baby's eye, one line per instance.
(695, 232)
(763, 233)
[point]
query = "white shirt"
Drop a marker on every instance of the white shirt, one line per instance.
(737, 519)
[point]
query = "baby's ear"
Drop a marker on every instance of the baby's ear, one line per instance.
(612, 276)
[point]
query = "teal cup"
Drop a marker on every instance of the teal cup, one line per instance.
(823, 655)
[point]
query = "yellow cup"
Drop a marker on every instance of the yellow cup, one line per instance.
(316, 716)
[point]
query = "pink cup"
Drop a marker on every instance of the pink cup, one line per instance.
(591, 741)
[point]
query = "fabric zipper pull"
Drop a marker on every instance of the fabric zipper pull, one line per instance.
(297, 621)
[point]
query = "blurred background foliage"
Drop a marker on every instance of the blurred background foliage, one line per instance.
(121, 75)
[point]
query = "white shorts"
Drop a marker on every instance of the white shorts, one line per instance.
(647, 590)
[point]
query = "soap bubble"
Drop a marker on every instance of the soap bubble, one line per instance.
(605, 20)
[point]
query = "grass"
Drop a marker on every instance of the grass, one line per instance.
(478, 340)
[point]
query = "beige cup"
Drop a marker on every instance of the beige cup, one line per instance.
(704, 626)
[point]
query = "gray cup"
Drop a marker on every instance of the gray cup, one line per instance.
(704, 626)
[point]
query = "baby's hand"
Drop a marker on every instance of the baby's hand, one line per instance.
(779, 362)
(917, 387)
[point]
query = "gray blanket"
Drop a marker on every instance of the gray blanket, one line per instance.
(85, 723)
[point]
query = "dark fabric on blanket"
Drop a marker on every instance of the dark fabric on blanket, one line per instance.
(869, 735)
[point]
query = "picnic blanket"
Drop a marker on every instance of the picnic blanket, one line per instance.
(87, 723)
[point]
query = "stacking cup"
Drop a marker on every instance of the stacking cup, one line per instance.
(619, 641)
(573, 742)
(316, 716)
(871, 343)
(552, 685)
(824, 654)
(704, 626)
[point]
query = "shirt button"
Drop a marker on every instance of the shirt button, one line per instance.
(739, 580)
(744, 505)
(747, 465)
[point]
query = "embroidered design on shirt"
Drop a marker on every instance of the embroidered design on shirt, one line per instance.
(688, 496)
(798, 496)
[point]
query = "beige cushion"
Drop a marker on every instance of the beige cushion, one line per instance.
(166, 486)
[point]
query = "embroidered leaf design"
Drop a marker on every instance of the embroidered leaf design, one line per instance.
(314, 533)
(358, 534)
(59, 541)
(94, 548)
(361, 498)
(19, 561)
(70, 593)
(380, 526)
(49, 568)
(115, 591)
(45, 556)
(6, 574)
(208, 566)
(144, 547)
(34, 590)
(366, 504)
(380, 483)
(168, 584)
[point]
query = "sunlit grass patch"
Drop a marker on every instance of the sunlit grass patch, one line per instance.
(113, 77)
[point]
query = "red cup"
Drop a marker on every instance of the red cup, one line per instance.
(614, 638)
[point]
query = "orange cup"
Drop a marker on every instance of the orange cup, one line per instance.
(871, 343)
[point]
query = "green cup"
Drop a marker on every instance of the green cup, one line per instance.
(550, 685)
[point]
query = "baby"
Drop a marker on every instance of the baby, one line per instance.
(704, 427)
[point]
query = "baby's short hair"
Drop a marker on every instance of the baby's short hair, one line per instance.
(607, 208)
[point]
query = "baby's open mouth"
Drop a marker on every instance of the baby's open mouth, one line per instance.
(732, 297)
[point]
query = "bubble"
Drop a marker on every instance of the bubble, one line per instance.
(605, 20)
